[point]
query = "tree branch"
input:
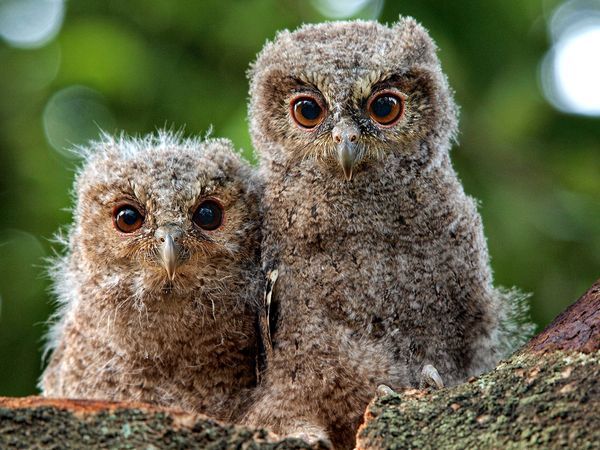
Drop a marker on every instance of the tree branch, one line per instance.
(545, 396)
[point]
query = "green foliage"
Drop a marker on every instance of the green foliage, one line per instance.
(142, 65)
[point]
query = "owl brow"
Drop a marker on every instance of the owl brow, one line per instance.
(205, 191)
(370, 83)
(389, 80)
(216, 187)
(126, 198)
(300, 85)
(137, 193)
(410, 76)
(110, 196)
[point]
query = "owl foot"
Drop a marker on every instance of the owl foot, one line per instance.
(384, 390)
(430, 378)
(312, 435)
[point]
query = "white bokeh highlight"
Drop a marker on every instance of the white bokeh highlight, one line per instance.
(577, 70)
(344, 9)
(570, 71)
(30, 23)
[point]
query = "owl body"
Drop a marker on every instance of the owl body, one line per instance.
(383, 266)
(165, 312)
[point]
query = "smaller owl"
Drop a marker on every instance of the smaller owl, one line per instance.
(158, 285)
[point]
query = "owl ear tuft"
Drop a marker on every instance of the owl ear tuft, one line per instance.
(414, 41)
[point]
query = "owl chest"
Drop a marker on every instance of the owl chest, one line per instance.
(373, 287)
(314, 223)
(367, 253)
(349, 285)
(318, 215)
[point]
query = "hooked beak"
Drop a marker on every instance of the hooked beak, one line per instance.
(347, 156)
(169, 248)
(345, 134)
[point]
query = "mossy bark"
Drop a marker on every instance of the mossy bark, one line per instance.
(527, 402)
(35, 422)
(545, 396)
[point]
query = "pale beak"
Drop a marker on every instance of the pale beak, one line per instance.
(169, 248)
(347, 156)
(345, 134)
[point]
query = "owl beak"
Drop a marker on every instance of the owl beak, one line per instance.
(169, 249)
(345, 134)
(347, 156)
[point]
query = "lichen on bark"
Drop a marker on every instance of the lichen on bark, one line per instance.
(549, 402)
(35, 422)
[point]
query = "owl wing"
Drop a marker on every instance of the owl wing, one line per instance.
(516, 327)
(264, 323)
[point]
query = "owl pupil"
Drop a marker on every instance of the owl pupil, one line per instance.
(127, 219)
(386, 109)
(129, 216)
(383, 106)
(310, 109)
(208, 216)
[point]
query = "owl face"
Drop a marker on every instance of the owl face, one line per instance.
(348, 94)
(165, 216)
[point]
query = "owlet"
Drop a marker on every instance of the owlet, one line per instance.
(158, 287)
(383, 269)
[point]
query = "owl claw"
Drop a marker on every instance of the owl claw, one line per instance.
(430, 378)
(312, 435)
(384, 390)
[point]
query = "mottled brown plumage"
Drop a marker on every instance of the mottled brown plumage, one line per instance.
(164, 314)
(383, 266)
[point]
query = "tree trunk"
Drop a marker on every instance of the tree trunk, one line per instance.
(545, 396)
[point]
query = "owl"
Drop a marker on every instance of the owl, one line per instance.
(158, 286)
(383, 270)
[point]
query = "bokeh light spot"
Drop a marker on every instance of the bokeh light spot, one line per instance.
(344, 9)
(75, 115)
(30, 23)
(570, 71)
(577, 70)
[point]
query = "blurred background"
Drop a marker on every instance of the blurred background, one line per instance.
(526, 74)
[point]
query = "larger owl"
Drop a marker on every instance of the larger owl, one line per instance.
(383, 268)
(159, 283)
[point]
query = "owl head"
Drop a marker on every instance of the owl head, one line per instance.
(163, 215)
(348, 94)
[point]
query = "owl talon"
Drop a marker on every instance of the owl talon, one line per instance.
(384, 390)
(312, 435)
(430, 377)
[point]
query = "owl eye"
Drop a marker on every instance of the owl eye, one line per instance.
(307, 112)
(208, 215)
(127, 219)
(386, 108)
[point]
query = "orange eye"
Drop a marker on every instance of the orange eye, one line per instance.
(127, 219)
(208, 215)
(386, 108)
(307, 112)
